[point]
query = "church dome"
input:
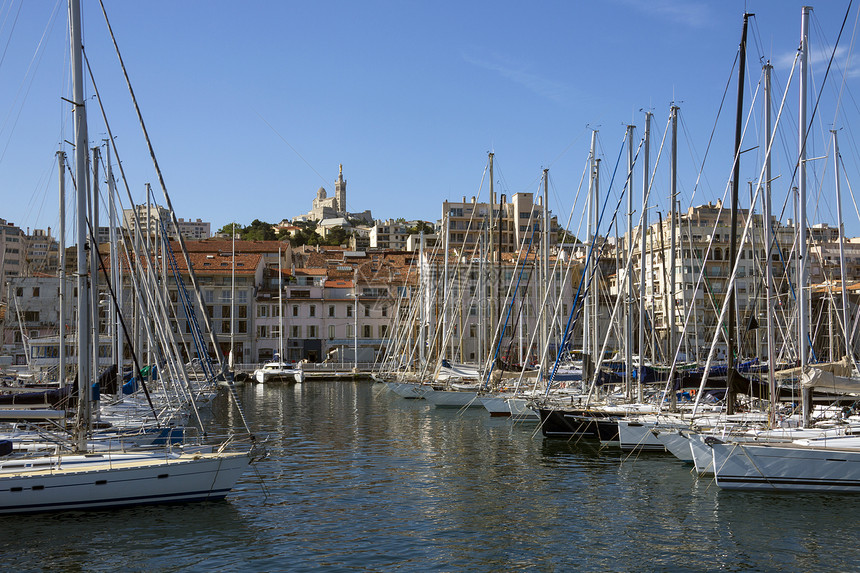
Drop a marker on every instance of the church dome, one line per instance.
(321, 194)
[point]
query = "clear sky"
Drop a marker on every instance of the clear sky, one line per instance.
(252, 106)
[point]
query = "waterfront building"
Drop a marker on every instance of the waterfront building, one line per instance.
(34, 312)
(703, 240)
(190, 230)
(509, 224)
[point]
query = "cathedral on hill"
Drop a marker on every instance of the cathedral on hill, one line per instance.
(325, 207)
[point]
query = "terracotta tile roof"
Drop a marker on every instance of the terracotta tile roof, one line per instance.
(217, 245)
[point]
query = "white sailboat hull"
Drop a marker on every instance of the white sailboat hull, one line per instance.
(408, 389)
(118, 480)
(453, 399)
(787, 467)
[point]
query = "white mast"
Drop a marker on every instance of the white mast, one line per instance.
(644, 238)
(803, 305)
(116, 346)
(546, 283)
(83, 319)
(628, 308)
(768, 242)
(673, 215)
(587, 356)
(233, 297)
(849, 352)
(94, 269)
(280, 310)
(61, 271)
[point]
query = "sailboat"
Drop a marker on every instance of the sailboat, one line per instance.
(278, 370)
(84, 478)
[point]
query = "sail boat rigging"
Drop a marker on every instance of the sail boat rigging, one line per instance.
(95, 474)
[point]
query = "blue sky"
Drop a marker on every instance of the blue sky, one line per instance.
(252, 106)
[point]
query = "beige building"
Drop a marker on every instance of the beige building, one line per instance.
(512, 223)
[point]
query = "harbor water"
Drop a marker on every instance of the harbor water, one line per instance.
(361, 480)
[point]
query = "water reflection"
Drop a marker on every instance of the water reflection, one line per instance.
(360, 479)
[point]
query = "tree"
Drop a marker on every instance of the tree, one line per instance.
(421, 226)
(566, 237)
(228, 229)
(307, 234)
(336, 236)
(259, 231)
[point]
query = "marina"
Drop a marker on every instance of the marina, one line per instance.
(666, 380)
(360, 479)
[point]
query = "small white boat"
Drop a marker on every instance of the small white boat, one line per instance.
(279, 372)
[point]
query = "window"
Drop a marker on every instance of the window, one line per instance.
(349, 310)
(35, 291)
(312, 331)
(19, 291)
(275, 331)
(384, 311)
(367, 331)
(31, 316)
(349, 331)
(262, 331)
(331, 310)
(297, 331)
(242, 326)
(383, 330)
(225, 311)
(366, 311)
(295, 310)
(331, 331)
(313, 310)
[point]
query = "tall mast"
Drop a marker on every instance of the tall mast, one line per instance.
(642, 250)
(586, 324)
(803, 305)
(281, 310)
(61, 270)
(85, 375)
(673, 275)
(491, 324)
(94, 271)
(116, 345)
(849, 352)
(595, 299)
(546, 283)
(233, 298)
(628, 308)
(733, 238)
(768, 242)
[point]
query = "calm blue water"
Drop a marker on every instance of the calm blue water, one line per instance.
(360, 480)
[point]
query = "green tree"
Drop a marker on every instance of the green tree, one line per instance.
(259, 231)
(228, 229)
(337, 236)
(420, 226)
(566, 237)
(307, 235)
